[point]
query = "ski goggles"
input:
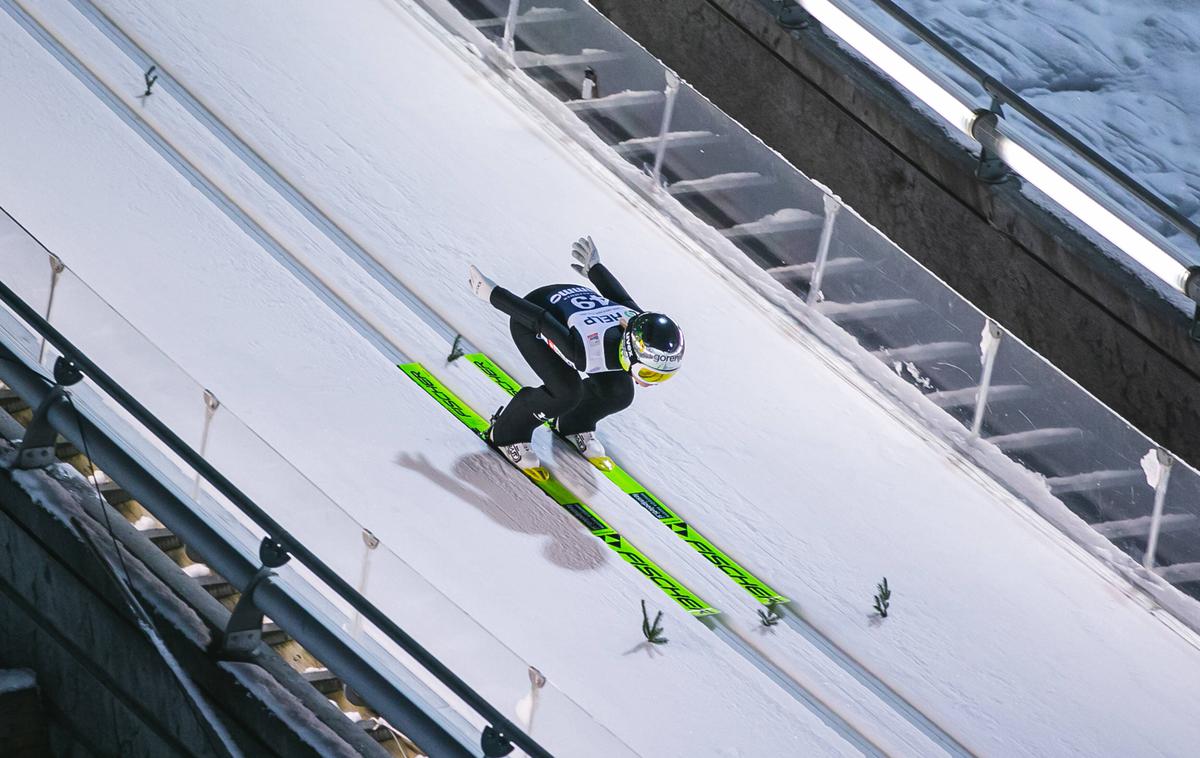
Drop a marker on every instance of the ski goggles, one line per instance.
(647, 375)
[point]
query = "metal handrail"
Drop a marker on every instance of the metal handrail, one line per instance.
(506, 729)
(1007, 96)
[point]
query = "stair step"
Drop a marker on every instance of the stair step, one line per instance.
(802, 272)
(216, 585)
(998, 393)
(324, 680)
(531, 16)
(530, 59)
(11, 401)
(1140, 527)
(1096, 480)
(1180, 573)
(1035, 439)
(164, 539)
(673, 140)
(843, 312)
(64, 449)
(779, 222)
(719, 183)
(627, 99)
(273, 635)
(114, 493)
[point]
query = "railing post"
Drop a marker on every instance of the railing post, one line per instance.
(537, 680)
(991, 168)
(793, 17)
(989, 344)
(243, 631)
(56, 269)
(370, 541)
(510, 27)
(211, 404)
(832, 205)
(37, 447)
(660, 150)
(1160, 495)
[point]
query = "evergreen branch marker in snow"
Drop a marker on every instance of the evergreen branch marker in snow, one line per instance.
(653, 631)
(882, 597)
(150, 78)
(769, 616)
(456, 350)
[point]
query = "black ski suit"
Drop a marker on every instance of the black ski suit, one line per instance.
(545, 326)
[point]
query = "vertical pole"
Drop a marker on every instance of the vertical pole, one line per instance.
(370, 541)
(660, 150)
(832, 206)
(56, 269)
(990, 344)
(211, 404)
(510, 27)
(537, 680)
(1160, 495)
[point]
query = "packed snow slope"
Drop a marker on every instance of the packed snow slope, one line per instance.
(1002, 631)
(1120, 75)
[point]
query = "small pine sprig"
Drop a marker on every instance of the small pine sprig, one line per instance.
(150, 78)
(882, 596)
(769, 617)
(653, 631)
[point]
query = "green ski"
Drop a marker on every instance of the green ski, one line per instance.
(757, 588)
(564, 497)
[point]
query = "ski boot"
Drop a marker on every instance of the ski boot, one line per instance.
(590, 447)
(519, 454)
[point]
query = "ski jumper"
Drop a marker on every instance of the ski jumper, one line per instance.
(561, 331)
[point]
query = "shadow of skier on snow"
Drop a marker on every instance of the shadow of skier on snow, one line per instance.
(487, 483)
(651, 650)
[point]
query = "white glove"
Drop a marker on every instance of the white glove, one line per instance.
(481, 285)
(584, 251)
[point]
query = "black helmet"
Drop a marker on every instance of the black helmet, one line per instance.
(651, 348)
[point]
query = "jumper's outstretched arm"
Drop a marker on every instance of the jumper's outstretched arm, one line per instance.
(587, 262)
(607, 285)
(532, 316)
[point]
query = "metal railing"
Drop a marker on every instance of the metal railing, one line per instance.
(1004, 95)
(1070, 172)
(500, 731)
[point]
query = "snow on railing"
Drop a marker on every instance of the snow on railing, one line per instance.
(1003, 147)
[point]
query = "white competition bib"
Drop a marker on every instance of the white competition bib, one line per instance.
(591, 325)
(590, 314)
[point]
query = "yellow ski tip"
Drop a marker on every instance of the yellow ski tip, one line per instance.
(537, 473)
(604, 463)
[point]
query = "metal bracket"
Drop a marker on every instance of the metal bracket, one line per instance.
(37, 448)
(244, 630)
(1191, 287)
(494, 743)
(794, 17)
(992, 168)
